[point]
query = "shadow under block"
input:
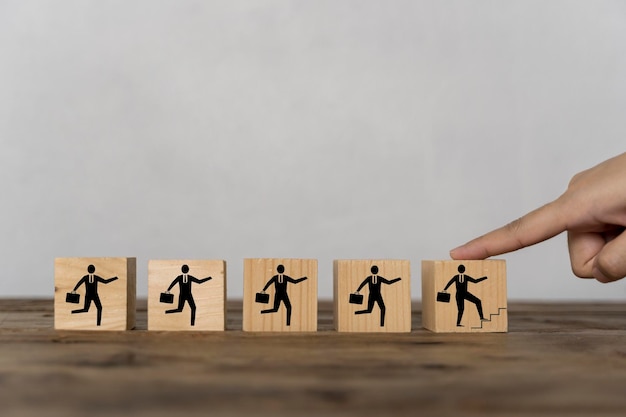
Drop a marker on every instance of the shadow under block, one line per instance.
(395, 297)
(208, 296)
(99, 297)
(273, 316)
(490, 294)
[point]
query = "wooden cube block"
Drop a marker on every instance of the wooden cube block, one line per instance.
(464, 296)
(280, 295)
(372, 295)
(94, 293)
(187, 295)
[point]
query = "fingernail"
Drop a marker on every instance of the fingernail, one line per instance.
(453, 252)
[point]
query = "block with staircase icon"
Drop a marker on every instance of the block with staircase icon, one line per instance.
(464, 296)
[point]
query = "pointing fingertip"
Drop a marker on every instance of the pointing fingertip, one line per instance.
(454, 252)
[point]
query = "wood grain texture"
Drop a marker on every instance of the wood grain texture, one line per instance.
(209, 297)
(396, 297)
(302, 295)
(491, 294)
(117, 298)
(556, 360)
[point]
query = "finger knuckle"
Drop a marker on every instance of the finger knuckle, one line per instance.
(514, 228)
(579, 178)
(581, 270)
(575, 179)
(611, 266)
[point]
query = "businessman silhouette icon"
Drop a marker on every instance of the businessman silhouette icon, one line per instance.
(374, 282)
(461, 280)
(280, 282)
(91, 291)
(184, 296)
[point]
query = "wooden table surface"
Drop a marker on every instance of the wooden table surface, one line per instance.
(557, 359)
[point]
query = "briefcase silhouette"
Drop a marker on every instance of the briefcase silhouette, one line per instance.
(167, 298)
(443, 297)
(72, 297)
(356, 298)
(262, 298)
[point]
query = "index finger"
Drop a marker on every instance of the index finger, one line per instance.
(538, 225)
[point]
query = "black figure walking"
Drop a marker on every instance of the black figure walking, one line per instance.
(462, 294)
(184, 285)
(91, 291)
(374, 282)
(280, 285)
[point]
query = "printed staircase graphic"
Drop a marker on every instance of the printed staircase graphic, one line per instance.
(491, 316)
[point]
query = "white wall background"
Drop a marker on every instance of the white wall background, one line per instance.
(325, 129)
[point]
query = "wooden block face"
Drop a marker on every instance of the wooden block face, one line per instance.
(181, 298)
(380, 289)
(104, 296)
(468, 294)
(283, 279)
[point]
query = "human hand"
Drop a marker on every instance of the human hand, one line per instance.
(592, 211)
